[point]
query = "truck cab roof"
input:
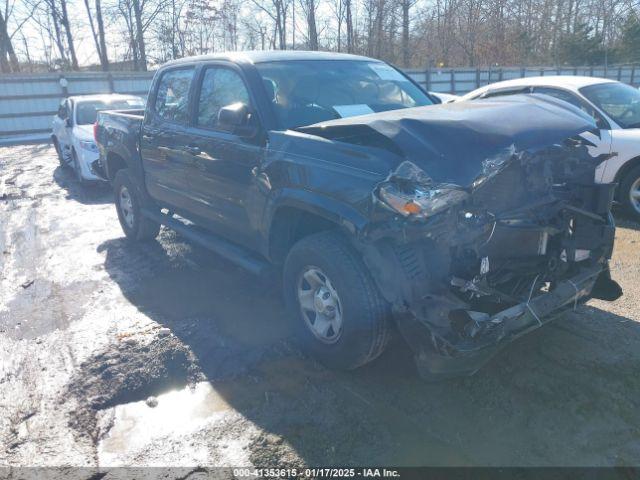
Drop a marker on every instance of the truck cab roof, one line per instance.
(262, 56)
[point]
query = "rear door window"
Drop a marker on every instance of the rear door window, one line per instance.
(505, 93)
(575, 101)
(172, 99)
(559, 94)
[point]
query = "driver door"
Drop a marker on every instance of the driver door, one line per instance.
(221, 162)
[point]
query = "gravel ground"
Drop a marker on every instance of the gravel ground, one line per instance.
(164, 354)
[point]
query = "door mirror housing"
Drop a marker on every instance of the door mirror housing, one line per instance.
(236, 118)
(68, 123)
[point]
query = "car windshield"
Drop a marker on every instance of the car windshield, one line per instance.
(87, 111)
(621, 102)
(305, 92)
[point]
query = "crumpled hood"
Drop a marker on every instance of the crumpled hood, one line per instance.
(450, 142)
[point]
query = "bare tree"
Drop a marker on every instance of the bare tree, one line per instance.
(309, 9)
(64, 21)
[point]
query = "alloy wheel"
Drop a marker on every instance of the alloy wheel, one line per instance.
(320, 305)
(126, 206)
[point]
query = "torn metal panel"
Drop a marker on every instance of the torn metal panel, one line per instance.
(486, 229)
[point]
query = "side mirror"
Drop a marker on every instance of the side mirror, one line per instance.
(234, 118)
(67, 123)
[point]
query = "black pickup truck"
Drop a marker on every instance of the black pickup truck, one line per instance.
(462, 226)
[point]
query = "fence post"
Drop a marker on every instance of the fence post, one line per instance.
(591, 71)
(619, 72)
(427, 78)
(452, 85)
(477, 77)
(523, 72)
(110, 80)
(633, 74)
(500, 74)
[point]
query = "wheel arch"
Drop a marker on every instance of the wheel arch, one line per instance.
(298, 214)
(623, 171)
(114, 163)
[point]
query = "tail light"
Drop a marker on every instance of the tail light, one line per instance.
(95, 132)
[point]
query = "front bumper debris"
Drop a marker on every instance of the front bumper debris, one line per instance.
(440, 358)
(97, 170)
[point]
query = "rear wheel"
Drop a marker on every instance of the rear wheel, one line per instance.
(128, 205)
(341, 317)
(630, 192)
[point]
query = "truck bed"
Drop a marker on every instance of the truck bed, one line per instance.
(120, 128)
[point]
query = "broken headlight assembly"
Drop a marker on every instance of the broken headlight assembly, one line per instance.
(421, 201)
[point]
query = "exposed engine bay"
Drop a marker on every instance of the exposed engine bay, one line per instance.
(491, 224)
(529, 238)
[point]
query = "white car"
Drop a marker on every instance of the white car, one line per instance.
(72, 129)
(616, 109)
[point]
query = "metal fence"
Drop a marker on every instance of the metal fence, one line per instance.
(28, 102)
(464, 80)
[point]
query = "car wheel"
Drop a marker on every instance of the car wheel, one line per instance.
(340, 316)
(630, 193)
(61, 159)
(128, 205)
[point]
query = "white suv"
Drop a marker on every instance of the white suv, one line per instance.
(616, 109)
(72, 129)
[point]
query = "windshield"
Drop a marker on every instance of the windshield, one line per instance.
(305, 92)
(621, 102)
(86, 112)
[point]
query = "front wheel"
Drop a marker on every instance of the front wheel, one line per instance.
(59, 154)
(630, 192)
(341, 318)
(78, 171)
(128, 205)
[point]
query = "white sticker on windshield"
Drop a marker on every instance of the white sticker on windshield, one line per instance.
(352, 110)
(386, 72)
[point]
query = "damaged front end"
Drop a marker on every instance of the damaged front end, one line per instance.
(470, 268)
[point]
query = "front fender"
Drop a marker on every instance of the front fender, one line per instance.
(346, 216)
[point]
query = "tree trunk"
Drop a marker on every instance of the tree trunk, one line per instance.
(104, 59)
(406, 5)
(137, 11)
(6, 49)
(65, 23)
(311, 24)
(349, 21)
(93, 29)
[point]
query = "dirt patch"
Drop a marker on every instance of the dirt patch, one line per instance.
(128, 371)
(105, 324)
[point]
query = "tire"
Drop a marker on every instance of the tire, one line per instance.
(135, 226)
(363, 327)
(56, 145)
(630, 193)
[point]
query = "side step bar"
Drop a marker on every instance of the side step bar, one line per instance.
(242, 257)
